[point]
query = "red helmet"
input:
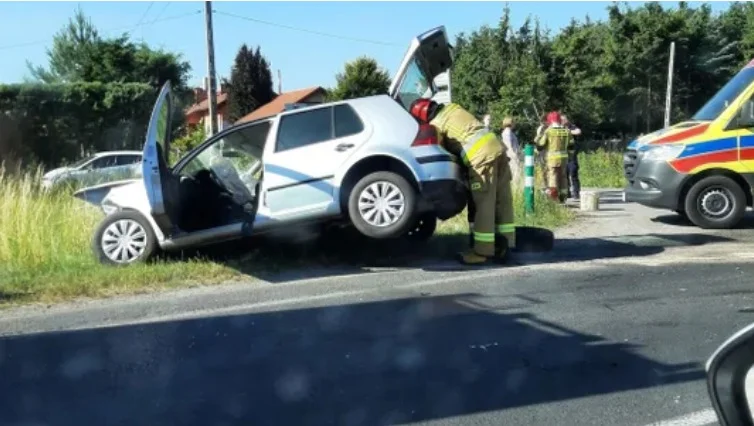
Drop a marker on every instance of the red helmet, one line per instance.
(420, 109)
(553, 117)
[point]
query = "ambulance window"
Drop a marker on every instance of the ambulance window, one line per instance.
(725, 96)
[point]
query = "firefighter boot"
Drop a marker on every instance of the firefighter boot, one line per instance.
(471, 257)
(501, 249)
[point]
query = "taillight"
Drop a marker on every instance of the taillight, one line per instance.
(427, 136)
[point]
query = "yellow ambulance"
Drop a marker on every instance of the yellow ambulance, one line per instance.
(702, 168)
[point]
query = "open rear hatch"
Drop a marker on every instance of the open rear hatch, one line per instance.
(428, 56)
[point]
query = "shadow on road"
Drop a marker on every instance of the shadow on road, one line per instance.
(364, 364)
(677, 220)
(345, 251)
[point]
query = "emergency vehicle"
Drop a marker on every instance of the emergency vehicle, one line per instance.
(702, 168)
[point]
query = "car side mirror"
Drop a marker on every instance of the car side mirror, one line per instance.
(730, 387)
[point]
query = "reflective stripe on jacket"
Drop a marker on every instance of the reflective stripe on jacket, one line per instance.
(465, 136)
(556, 140)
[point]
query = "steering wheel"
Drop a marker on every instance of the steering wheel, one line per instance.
(216, 179)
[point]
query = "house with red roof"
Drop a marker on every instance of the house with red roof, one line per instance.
(311, 95)
(198, 113)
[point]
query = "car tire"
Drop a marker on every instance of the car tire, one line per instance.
(423, 229)
(715, 202)
(374, 184)
(140, 239)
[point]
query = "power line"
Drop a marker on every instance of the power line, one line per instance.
(162, 10)
(273, 24)
(129, 28)
(145, 14)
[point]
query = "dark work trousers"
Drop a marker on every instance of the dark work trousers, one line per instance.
(471, 213)
(574, 184)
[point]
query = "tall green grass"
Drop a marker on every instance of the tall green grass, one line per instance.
(45, 247)
(45, 252)
(601, 169)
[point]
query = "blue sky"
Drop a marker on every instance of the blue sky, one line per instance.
(304, 59)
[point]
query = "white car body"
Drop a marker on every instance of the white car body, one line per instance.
(298, 184)
(100, 166)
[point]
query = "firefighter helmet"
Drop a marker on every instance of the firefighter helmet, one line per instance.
(553, 117)
(420, 109)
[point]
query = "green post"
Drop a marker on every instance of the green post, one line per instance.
(529, 178)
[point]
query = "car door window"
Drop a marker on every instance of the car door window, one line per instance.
(103, 162)
(304, 128)
(235, 159)
(127, 160)
(347, 122)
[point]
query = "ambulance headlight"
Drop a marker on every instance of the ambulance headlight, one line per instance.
(660, 152)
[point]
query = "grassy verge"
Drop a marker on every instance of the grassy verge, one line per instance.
(601, 169)
(45, 253)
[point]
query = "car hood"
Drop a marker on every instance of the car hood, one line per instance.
(55, 172)
(676, 133)
(95, 194)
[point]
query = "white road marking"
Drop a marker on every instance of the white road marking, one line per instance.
(699, 418)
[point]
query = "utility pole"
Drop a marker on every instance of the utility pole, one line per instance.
(669, 95)
(212, 95)
(280, 83)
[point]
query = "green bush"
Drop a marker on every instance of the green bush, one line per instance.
(58, 123)
(180, 146)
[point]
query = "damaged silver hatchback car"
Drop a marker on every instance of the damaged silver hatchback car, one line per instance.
(365, 161)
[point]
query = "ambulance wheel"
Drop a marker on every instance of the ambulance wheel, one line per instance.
(715, 202)
(424, 228)
(531, 239)
(124, 238)
(381, 205)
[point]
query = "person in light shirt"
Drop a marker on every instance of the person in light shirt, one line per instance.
(510, 140)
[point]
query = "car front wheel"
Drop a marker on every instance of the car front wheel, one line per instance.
(382, 204)
(124, 238)
(715, 202)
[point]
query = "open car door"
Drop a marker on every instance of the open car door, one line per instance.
(155, 169)
(428, 56)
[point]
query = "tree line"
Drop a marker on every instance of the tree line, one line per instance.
(609, 76)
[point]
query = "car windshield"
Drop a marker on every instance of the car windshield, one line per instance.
(715, 106)
(413, 86)
(81, 162)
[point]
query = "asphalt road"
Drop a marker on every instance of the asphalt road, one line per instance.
(604, 331)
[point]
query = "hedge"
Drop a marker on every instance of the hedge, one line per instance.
(58, 123)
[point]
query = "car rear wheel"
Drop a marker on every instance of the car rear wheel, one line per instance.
(715, 202)
(382, 204)
(124, 238)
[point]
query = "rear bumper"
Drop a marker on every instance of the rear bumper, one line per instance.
(443, 189)
(446, 198)
(655, 184)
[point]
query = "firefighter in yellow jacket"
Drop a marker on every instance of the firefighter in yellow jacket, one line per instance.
(489, 176)
(556, 141)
